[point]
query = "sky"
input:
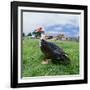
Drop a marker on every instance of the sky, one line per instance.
(52, 23)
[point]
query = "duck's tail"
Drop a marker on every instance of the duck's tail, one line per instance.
(66, 59)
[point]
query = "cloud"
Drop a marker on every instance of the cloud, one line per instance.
(51, 22)
(67, 29)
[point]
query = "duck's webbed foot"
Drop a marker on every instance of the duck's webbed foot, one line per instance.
(46, 61)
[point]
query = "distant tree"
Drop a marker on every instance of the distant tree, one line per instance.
(60, 36)
(78, 38)
(23, 34)
(49, 37)
(37, 32)
(29, 34)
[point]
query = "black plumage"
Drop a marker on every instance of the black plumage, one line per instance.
(52, 51)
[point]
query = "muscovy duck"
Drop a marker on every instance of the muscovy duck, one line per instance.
(52, 51)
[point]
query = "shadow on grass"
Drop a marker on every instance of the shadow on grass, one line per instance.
(63, 62)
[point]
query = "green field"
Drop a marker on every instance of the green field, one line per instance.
(32, 58)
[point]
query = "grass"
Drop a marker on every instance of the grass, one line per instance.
(32, 58)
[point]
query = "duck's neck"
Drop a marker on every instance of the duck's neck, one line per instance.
(42, 36)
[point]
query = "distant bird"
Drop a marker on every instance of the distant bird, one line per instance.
(52, 51)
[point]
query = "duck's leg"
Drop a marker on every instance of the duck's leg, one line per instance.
(46, 61)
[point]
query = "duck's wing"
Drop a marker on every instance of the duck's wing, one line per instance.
(56, 48)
